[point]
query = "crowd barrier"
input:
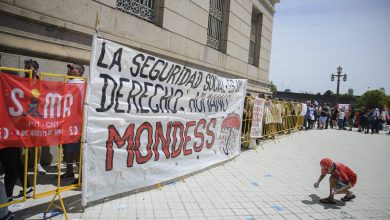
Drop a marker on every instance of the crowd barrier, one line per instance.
(279, 117)
(58, 188)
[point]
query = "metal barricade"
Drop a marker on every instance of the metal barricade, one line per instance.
(280, 117)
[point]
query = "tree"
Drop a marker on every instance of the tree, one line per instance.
(287, 90)
(272, 87)
(328, 93)
(373, 99)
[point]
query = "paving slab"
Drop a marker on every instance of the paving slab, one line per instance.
(274, 181)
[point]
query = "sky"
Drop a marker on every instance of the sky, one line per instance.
(311, 38)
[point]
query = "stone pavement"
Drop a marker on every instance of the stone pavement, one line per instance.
(273, 182)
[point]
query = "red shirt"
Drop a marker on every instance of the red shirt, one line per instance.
(345, 174)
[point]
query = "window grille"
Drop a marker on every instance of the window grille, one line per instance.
(254, 42)
(215, 26)
(144, 9)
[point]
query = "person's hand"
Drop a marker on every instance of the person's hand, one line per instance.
(316, 184)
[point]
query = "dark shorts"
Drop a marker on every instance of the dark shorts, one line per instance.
(340, 184)
(71, 152)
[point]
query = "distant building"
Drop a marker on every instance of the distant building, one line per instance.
(350, 92)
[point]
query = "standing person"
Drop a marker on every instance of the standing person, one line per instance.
(376, 121)
(10, 158)
(341, 117)
(328, 116)
(312, 116)
(357, 120)
(366, 121)
(306, 116)
(323, 116)
(335, 112)
(351, 118)
(341, 179)
(72, 150)
(4, 212)
(34, 67)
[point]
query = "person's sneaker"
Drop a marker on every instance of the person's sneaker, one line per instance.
(67, 175)
(40, 169)
(328, 201)
(75, 181)
(28, 193)
(348, 198)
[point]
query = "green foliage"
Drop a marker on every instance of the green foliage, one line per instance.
(328, 93)
(272, 87)
(373, 99)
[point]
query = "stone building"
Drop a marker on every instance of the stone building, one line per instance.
(231, 38)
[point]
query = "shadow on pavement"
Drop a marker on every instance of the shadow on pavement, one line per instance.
(316, 200)
(72, 205)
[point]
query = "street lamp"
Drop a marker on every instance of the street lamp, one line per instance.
(338, 75)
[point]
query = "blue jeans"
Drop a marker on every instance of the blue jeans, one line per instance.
(340, 123)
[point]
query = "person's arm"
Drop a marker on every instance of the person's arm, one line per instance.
(316, 184)
(343, 189)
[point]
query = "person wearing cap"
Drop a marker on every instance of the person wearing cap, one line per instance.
(341, 179)
(72, 150)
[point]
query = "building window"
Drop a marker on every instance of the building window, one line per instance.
(254, 41)
(217, 22)
(145, 9)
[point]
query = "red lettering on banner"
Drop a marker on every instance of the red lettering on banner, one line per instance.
(211, 133)
(113, 136)
(176, 151)
(199, 135)
(187, 138)
(164, 140)
(143, 159)
(155, 135)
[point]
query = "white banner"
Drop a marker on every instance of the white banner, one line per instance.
(304, 109)
(151, 120)
(257, 118)
(346, 107)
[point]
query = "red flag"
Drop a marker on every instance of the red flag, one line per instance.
(39, 112)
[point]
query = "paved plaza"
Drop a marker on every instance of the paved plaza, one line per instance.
(275, 181)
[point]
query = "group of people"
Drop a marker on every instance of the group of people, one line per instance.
(11, 157)
(343, 118)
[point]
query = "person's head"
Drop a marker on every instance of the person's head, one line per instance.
(31, 65)
(326, 166)
(75, 70)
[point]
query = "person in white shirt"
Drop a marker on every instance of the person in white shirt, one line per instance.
(340, 118)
